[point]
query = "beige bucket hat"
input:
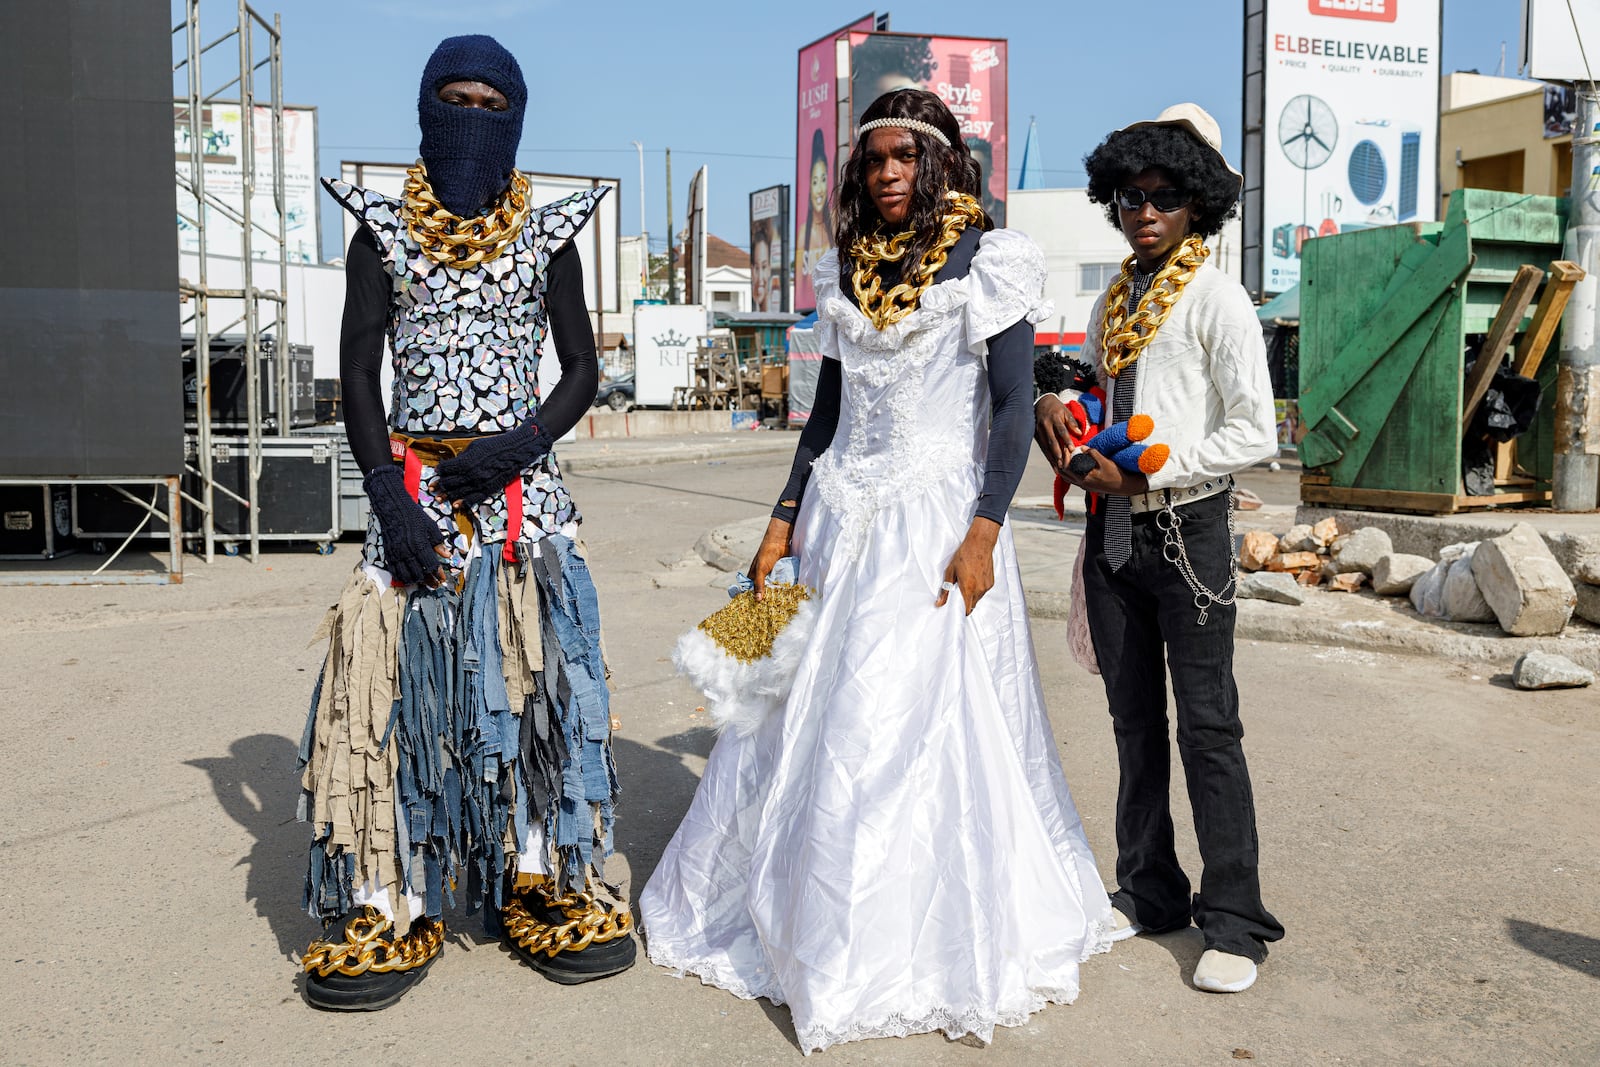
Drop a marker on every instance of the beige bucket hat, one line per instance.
(1197, 121)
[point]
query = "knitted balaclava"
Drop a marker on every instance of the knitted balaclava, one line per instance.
(469, 151)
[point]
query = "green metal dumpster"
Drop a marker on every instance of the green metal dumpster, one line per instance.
(1386, 315)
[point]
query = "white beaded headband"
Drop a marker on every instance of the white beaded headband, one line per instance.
(906, 124)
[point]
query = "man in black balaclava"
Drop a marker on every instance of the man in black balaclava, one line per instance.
(470, 145)
(498, 792)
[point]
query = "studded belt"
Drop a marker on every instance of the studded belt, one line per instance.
(1143, 502)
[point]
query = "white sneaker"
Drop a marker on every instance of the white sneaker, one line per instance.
(1123, 927)
(1223, 972)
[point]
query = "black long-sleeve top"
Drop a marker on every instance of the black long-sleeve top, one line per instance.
(1010, 413)
(368, 291)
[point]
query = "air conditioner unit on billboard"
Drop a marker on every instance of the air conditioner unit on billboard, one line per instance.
(1376, 174)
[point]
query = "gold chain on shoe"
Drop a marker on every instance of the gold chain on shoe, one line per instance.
(453, 241)
(1123, 337)
(887, 308)
(365, 949)
(587, 922)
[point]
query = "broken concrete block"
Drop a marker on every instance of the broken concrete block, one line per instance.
(1588, 606)
(1276, 586)
(1293, 561)
(1394, 574)
(1257, 549)
(1588, 570)
(1546, 670)
(1348, 582)
(1298, 539)
(1325, 531)
(1530, 594)
(1361, 550)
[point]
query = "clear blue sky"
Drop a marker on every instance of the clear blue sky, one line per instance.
(715, 81)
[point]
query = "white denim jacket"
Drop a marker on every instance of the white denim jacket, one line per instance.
(1204, 381)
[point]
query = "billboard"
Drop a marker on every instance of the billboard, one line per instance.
(1349, 125)
(816, 155)
(694, 242)
(769, 249)
(222, 131)
(967, 73)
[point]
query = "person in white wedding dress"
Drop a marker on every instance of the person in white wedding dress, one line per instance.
(895, 849)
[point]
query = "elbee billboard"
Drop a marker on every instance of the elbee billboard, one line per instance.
(1349, 121)
(967, 73)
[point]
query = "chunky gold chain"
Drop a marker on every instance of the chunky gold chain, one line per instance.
(587, 921)
(454, 241)
(887, 308)
(364, 947)
(1122, 336)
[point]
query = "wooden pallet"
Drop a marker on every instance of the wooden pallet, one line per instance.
(1315, 489)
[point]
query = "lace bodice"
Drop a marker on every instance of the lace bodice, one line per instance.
(915, 406)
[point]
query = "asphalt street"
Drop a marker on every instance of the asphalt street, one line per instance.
(1428, 840)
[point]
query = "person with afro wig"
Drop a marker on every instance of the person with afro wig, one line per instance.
(1175, 339)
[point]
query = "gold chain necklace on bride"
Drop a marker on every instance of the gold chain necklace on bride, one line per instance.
(887, 308)
(453, 241)
(1123, 336)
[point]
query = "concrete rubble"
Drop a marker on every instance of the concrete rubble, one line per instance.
(1361, 550)
(1521, 581)
(1395, 573)
(1546, 670)
(1276, 586)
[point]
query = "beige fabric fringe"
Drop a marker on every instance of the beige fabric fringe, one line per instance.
(350, 774)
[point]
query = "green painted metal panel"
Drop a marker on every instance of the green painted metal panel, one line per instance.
(1385, 315)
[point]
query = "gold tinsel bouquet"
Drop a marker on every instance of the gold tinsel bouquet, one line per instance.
(743, 657)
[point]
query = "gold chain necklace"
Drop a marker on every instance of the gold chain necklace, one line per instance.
(453, 241)
(1123, 337)
(887, 308)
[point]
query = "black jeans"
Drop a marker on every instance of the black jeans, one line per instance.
(1133, 613)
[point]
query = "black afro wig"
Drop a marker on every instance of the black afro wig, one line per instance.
(1194, 167)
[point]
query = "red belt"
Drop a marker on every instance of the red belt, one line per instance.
(412, 451)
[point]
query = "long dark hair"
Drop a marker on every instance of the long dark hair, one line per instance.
(819, 154)
(940, 169)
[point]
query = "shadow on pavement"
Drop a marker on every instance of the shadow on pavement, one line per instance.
(1577, 951)
(258, 787)
(660, 787)
(1185, 946)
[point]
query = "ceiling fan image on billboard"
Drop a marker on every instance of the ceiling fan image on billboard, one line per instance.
(1373, 177)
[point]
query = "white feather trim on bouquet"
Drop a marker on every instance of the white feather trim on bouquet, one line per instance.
(741, 692)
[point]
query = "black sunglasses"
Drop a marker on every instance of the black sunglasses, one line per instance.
(1164, 200)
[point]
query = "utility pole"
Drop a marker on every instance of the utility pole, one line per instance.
(672, 266)
(1575, 484)
(644, 232)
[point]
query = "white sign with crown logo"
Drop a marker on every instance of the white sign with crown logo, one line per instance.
(667, 337)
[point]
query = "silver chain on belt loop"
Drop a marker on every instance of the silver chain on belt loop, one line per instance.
(1173, 549)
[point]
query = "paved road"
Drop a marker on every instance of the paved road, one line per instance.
(1428, 839)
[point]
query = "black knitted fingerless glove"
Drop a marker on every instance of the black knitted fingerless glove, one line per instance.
(409, 533)
(489, 463)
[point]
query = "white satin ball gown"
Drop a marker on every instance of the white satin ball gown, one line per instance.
(895, 850)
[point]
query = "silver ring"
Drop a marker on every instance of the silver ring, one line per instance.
(948, 587)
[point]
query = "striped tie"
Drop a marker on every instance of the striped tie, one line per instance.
(1119, 509)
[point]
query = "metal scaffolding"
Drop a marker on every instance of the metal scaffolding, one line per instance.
(262, 313)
